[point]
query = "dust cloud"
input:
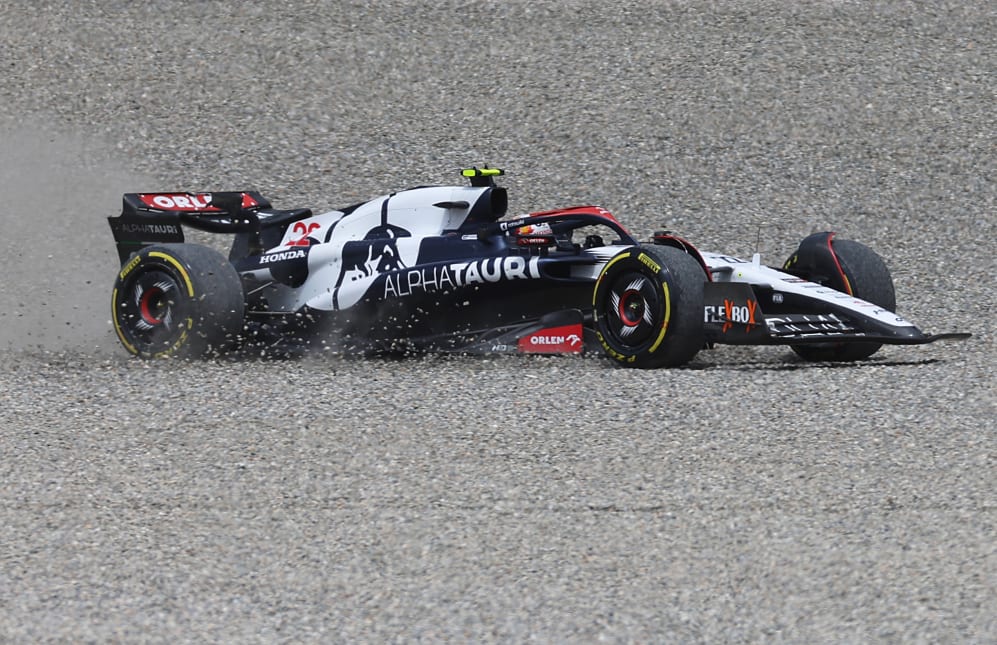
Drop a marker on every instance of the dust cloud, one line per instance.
(58, 259)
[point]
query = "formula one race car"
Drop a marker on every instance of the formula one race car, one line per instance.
(437, 268)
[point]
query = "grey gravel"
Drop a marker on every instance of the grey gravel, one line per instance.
(748, 498)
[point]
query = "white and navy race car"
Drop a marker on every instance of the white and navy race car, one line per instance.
(438, 268)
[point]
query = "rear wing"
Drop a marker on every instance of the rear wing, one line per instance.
(156, 218)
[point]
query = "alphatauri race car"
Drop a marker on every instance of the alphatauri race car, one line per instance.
(437, 268)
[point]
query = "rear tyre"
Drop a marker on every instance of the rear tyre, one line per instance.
(648, 307)
(177, 300)
(866, 276)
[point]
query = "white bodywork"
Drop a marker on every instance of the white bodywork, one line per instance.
(408, 218)
(726, 268)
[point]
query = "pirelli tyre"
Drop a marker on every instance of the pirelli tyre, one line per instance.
(648, 307)
(177, 300)
(850, 267)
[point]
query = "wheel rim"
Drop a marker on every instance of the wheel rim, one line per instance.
(633, 309)
(155, 305)
(152, 310)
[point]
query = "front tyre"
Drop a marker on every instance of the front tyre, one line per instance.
(648, 307)
(177, 300)
(850, 267)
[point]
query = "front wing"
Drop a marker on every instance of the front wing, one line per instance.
(737, 313)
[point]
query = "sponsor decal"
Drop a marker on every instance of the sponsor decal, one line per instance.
(178, 202)
(723, 259)
(651, 264)
(531, 230)
(281, 256)
(879, 312)
(180, 340)
(289, 266)
(803, 325)
(181, 202)
(834, 293)
(128, 267)
(150, 229)
(612, 353)
(732, 313)
(188, 202)
(445, 277)
(535, 241)
(566, 339)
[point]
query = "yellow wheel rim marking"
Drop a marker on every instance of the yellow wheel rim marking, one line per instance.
(603, 273)
(668, 315)
(179, 267)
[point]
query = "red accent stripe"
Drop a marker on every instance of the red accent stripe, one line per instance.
(841, 272)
